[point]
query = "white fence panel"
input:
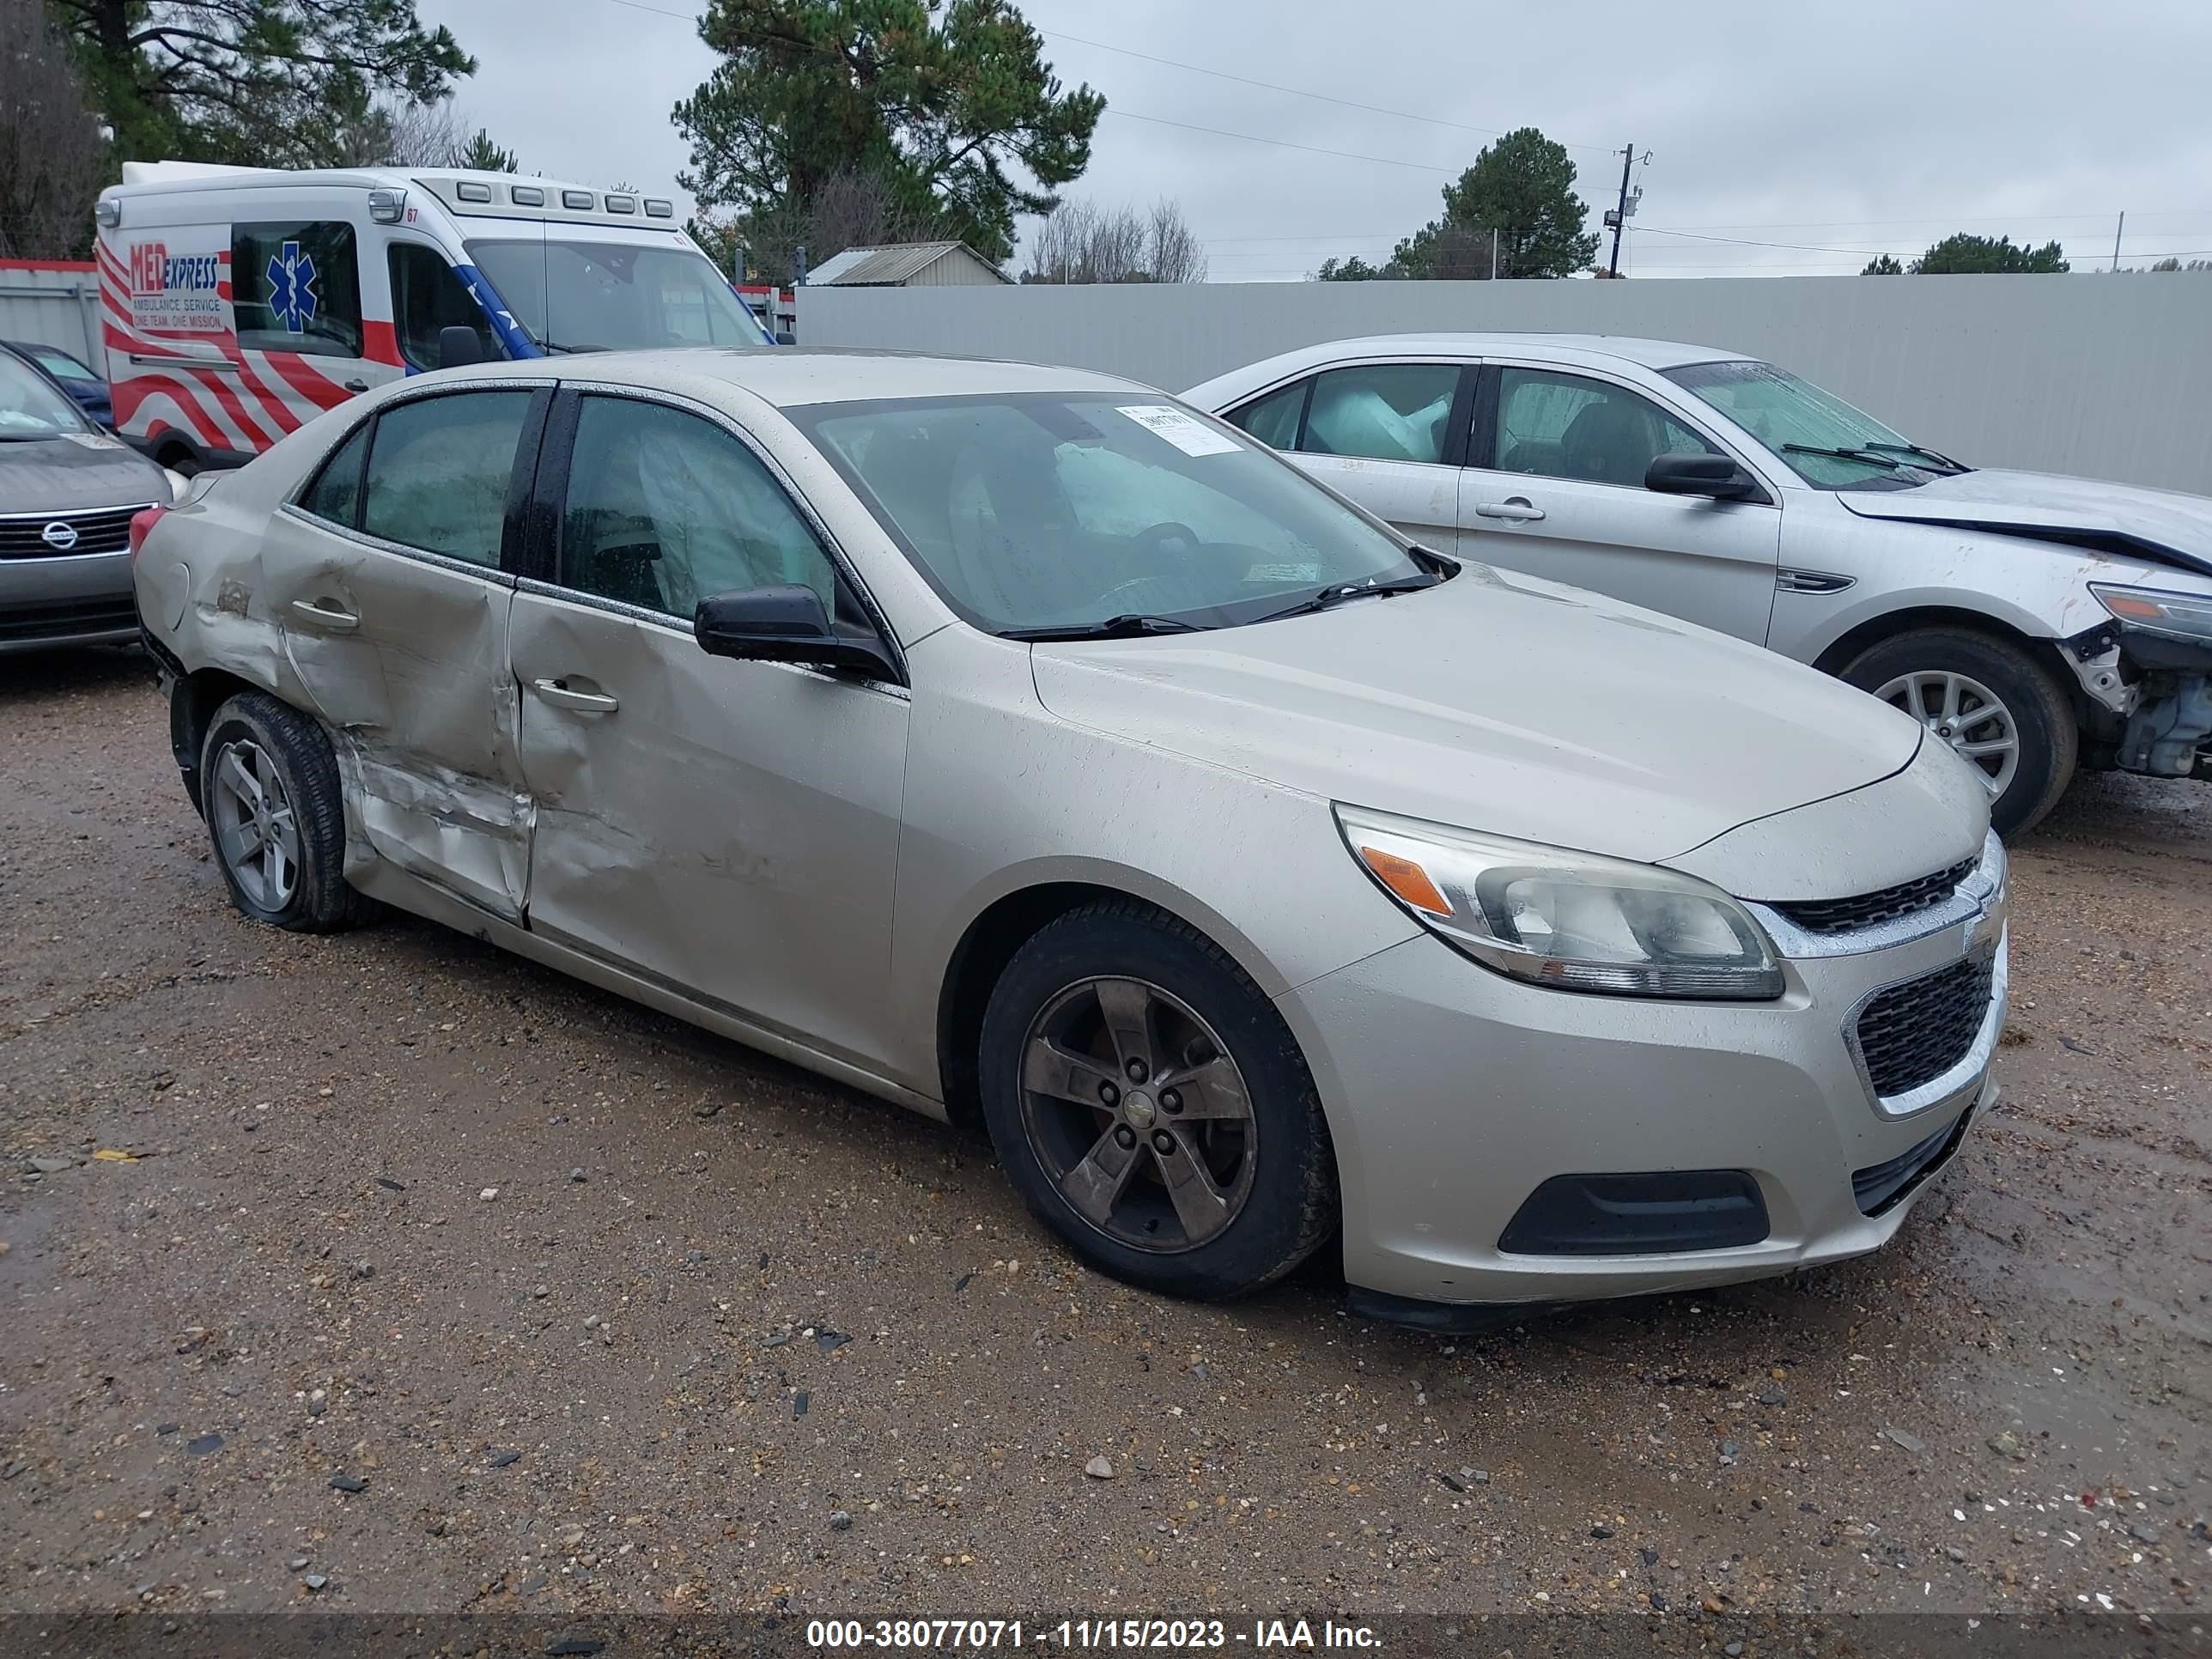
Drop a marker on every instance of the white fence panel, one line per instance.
(2104, 376)
(52, 305)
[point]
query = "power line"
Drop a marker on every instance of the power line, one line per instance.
(1740, 241)
(1280, 144)
(1295, 92)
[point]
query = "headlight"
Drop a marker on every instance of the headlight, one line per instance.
(1574, 920)
(2187, 615)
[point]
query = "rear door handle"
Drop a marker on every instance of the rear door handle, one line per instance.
(331, 619)
(356, 384)
(557, 693)
(1515, 509)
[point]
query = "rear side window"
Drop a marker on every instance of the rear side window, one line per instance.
(1383, 411)
(335, 495)
(1273, 419)
(427, 295)
(438, 473)
(296, 288)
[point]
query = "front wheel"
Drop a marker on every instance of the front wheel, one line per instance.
(1151, 1107)
(1994, 704)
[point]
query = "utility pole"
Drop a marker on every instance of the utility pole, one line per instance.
(2118, 231)
(1493, 253)
(1618, 217)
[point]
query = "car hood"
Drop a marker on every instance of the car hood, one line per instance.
(2162, 525)
(1500, 703)
(72, 474)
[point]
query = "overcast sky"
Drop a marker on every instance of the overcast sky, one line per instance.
(1843, 128)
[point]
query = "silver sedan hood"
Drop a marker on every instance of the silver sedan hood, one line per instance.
(2163, 524)
(1500, 703)
(72, 474)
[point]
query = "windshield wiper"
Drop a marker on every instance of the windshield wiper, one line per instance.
(1864, 456)
(1128, 626)
(566, 350)
(1329, 597)
(1935, 455)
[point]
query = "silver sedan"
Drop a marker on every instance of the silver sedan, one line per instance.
(2034, 623)
(1026, 748)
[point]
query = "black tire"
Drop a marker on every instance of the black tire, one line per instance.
(2048, 737)
(254, 726)
(1286, 1168)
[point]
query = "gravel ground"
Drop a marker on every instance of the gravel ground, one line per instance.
(440, 1283)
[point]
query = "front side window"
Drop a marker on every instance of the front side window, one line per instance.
(665, 508)
(296, 287)
(1568, 426)
(1382, 411)
(439, 470)
(614, 296)
(1819, 436)
(427, 296)
(32, 406)
(1065, 510)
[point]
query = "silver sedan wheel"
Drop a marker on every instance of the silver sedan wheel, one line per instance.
(254, 825)
(1138, 1114)
(1965, 714)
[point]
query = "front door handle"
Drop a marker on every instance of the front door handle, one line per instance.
(330, 618)
(557, 693)
(356, 384)
(1514, 509)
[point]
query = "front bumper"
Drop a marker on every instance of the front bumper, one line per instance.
(81, 600)
(1454, 1093)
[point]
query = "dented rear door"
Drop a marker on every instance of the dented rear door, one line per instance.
(386, 581)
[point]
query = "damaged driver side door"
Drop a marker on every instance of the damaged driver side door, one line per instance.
(387, 583)
(728, 830)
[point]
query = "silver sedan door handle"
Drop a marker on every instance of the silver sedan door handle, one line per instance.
(330, 618)
(557, 693)
(1515, 509)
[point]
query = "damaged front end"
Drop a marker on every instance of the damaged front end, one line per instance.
(2148, 673)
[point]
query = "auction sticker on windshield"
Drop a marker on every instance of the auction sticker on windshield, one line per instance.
(1191, 437)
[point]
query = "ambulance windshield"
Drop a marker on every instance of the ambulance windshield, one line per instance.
(614, 296)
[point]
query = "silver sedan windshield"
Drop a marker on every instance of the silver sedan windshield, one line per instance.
(1826, 441)
(1065, 510)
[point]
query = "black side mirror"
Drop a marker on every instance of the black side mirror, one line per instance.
(787, 623)
(458, 345)
(785, 337)
(1716, 476)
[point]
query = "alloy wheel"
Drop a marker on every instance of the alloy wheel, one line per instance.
(1138, 1114)
(1965, 714)
(254, 825)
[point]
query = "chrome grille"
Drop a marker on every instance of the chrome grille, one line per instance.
(107, 530)
(1913, 1033)
(1844, 915)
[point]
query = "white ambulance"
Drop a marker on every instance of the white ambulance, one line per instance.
(239, 303)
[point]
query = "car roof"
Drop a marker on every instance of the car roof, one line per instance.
(1628, 348)
(792, 376)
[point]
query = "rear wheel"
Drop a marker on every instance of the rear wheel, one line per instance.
(270, 785)
(1997, 708)
(1151, 1107)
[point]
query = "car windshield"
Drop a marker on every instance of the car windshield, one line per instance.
(1068, 510)
(1822, 439)
(614, 296)
(32, 406)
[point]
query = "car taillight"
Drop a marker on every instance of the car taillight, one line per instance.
(140, 524)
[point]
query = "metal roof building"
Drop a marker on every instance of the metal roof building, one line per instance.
(908, 264)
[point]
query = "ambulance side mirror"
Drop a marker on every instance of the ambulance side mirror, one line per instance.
(459, 345)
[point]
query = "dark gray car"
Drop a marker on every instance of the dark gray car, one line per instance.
(67, 493)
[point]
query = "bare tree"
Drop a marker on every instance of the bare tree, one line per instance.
(849, 208)
(392, 133)
(1083, 242)
(53, 158)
